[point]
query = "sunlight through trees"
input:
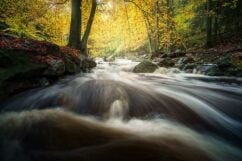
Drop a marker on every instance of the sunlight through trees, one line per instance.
(121, 27)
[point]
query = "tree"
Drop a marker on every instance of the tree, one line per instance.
(75, 26)
(153, 26)
(209, 41)
(88, 27)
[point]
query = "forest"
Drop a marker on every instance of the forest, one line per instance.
(124, 26)
(120, 80)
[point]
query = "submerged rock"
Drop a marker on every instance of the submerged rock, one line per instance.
(208, 69)
(222, 62)
(145, 67)
(229, 65)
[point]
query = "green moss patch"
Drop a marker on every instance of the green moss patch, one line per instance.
(145, 67)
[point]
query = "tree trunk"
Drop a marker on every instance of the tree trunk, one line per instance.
(88, 27)
(75, 27)
(215, 30)
(148, 34)
(170, 24)
(216, 21)
(209, 42)
(157, 26)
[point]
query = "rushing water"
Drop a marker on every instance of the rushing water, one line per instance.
(114, 114)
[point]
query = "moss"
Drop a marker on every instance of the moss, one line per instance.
(145, 67)
(230, 65)
(70, 66)
(14, 62)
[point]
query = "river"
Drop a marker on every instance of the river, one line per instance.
(114, 114)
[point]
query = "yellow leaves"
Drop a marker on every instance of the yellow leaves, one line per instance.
(38, 19)
(119, 25)
(117, 29)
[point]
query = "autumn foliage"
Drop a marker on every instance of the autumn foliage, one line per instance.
(124, 27)
(42, 51)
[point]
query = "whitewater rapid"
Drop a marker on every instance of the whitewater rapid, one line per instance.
(200, 112)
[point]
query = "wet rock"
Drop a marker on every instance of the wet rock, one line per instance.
(19, 72)
(71, 67)
(188, 68)
(44, 82)
(208, 69)
(56, 67)
(188, 71)
(181, 63)
(87, 64)
(145, 67)
(230, 65)
(167, 62)
(27, 64)
(225, 62)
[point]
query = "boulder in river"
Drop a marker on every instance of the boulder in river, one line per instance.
(182, 62)
(231, 65)
(27, 64)
(145, 67)
(87, 64)
(189, 68)
(208, 69)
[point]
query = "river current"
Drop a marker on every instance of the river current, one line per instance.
(114, 114)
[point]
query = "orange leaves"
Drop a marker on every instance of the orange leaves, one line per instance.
(41, 51)
(39, 47)
(70, 51)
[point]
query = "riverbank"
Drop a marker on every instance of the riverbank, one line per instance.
(219, 61)
(27, 63)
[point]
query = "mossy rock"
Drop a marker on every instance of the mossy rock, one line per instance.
(16, 67)
(71, 68)
(56, 68)
(87, 64)
(145, 67)
(214, 72)
(14, 62)
(230, 65)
